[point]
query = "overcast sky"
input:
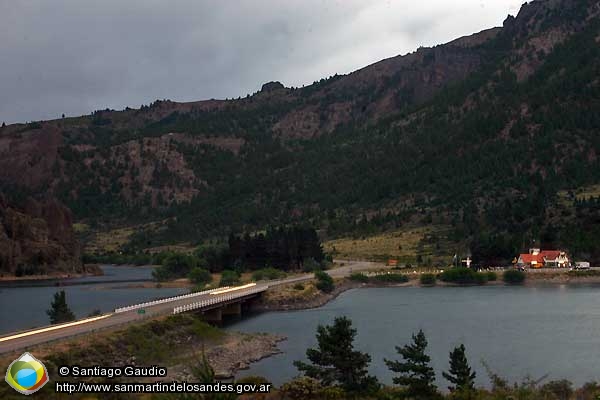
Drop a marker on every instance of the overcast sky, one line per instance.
(75, 56)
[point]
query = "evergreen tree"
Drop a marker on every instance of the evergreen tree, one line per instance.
(336, 362)
(204, 373)
(416, 375)
(59, 310)
(460, 374)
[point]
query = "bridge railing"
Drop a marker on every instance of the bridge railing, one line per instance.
(217, 299)
(166, 300)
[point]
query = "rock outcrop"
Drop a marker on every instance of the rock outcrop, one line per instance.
(272, 86)
(37, 238)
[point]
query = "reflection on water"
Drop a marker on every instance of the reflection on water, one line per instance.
(25, 307)
(517, 331)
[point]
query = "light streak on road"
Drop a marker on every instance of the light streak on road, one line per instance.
(249, 285)
(53, 328)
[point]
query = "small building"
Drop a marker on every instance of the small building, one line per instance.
(555, 259)
(537, 258)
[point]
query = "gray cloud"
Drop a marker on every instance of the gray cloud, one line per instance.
(75, 56)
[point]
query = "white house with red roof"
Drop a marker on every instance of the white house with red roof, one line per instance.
(537, 258)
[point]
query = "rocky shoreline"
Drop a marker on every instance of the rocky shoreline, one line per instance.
(241, 350)
(319, 299)
(316, 301)
(236, 353)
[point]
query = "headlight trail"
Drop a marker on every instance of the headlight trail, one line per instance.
(53, 328)
(234, 288)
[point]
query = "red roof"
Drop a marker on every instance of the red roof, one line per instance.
(550, 254)
(528, 258)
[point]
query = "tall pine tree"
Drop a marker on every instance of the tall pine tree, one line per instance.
(460, 374)
(59, 310)
(416, 375)
(335, 362)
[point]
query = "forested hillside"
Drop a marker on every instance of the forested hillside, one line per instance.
(495, 136)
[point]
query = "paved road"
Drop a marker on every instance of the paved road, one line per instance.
(44, 335)
(115, 319)
(354, 266)
(339, 272)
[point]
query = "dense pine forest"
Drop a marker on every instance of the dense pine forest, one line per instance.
(494, 136)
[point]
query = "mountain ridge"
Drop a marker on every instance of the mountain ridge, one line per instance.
(484, 113)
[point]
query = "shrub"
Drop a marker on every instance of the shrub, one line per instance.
(333, 393)
(562, 389)
(229, 278)
(253, 379)
(463, 276)
(359, 277)
(324, 282)
(311, 265)
(298, 286)
(301, 388)
(428, 279)
(204, 330)
(513, 276)
(589, 390)
(492, 276)
(391, 278)
(481, 278)
(267, 274)
(200, 276)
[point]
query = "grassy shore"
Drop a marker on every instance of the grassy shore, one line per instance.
(174, 342)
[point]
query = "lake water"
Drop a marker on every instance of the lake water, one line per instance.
(24, 307)
(517, 331)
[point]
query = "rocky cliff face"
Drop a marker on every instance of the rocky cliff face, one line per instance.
(490, 112)
(37, 239)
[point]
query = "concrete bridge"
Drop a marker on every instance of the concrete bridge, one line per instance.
(226, 302)
(213, 304)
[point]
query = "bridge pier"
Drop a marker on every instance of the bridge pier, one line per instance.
(235, 307)
(249, 304)
(215, 315)
(232, 309)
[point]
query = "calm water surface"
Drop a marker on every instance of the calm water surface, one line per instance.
(517, 331)
(25, 307)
